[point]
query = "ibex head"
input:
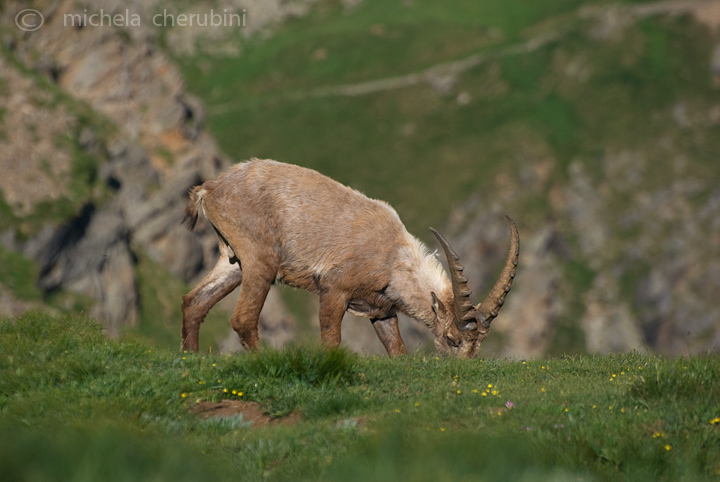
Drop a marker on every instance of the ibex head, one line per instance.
(463, 326)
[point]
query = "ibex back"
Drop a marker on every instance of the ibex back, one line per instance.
(283, 223)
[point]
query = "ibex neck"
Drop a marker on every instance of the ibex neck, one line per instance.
(417, 274)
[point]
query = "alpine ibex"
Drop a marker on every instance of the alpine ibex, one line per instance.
(283, 223)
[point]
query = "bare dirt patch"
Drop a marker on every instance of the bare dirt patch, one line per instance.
(251, 412)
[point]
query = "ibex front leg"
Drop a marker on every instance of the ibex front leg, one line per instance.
(389, 333)
(332, 308)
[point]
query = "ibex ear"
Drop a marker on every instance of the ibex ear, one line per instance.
(437, 305)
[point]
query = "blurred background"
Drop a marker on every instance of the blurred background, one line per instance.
(594, 124)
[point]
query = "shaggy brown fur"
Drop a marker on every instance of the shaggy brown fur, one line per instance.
(283, 223)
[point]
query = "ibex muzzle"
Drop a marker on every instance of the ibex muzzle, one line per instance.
(283, 223)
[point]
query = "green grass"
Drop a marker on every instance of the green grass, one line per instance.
(75, 405)
(18, 274)
(99, 453)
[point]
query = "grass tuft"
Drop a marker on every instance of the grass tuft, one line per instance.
(682, 380)
(313, 366)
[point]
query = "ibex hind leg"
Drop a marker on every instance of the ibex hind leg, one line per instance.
(219, 283)
(253, 292)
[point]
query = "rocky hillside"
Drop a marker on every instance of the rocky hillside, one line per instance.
(100, 145)
(628, 254)
(595, 125)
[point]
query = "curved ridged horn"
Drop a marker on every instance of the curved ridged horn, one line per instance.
(488, 309)
(464, 309)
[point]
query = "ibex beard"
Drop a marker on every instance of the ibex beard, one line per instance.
(280, 223)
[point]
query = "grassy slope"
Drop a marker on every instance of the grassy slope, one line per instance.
(77, 406)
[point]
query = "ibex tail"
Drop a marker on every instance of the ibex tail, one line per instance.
(193, 207)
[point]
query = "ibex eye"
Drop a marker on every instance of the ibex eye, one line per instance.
(453, 342)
